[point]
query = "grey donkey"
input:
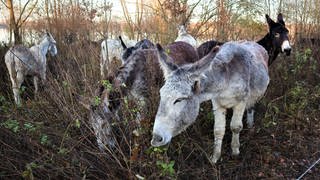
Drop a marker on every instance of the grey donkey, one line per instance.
(232, 76)
(22, 61)
(139, 79)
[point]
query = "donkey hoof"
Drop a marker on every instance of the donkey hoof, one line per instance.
(214, 159)
(235, 152)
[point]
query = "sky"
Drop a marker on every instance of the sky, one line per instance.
(117, 9)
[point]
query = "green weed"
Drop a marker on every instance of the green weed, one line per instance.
(166, 168)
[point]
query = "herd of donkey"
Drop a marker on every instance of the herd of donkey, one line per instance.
(233, 75)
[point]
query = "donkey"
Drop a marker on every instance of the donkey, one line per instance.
(22, 61)
(184, 36)
(275, 41)
(206, 47)
(140, 79)
(127, 51)
(111, 52)
(232, 76)
(135, 79)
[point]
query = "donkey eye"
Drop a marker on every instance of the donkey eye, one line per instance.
(277, 35)
(179, 100)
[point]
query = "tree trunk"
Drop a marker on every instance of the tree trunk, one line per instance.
(13, 25)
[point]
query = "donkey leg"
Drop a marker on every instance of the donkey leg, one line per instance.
(219, 130)
(236, 127)
(16, 87)
(35, 82)
(250, 117)
(13, 78)
(102, 66)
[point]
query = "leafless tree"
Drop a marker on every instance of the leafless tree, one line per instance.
(16, 24)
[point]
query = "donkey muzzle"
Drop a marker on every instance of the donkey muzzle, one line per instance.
(287, 51)
(157, 140)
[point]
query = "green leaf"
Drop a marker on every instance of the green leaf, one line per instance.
(29, 127)
(63, 151)
(77, 123)
(107, 84)
(44, 139)
(13, 125)
(97, 101)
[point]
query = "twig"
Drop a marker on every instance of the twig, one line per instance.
(308, 169)
(4, 4)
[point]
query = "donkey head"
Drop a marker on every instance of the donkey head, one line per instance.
(179, 100)
(279, 34)
(52, 44)
(102, 114)
(143, 44)
(182, 30)
(127, 51)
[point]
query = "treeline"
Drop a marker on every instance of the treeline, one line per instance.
(206, 19)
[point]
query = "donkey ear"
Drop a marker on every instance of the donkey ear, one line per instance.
(122, 43)
(215, 50)
(269, 21)
(166, 66)
(199, 66)
(280, 19)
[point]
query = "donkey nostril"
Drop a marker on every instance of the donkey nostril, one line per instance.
(287, 51)
(157, 138)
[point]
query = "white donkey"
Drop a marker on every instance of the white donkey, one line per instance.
(111, 52)
(183, 35)
(22, 61)
(234, 77)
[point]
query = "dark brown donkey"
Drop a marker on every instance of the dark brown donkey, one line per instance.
(139, 79)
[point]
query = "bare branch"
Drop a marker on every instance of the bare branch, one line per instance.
(127, 17)
(4, 4)
(19, 22)
(23, 9)
(163, 12)
(191, 11)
